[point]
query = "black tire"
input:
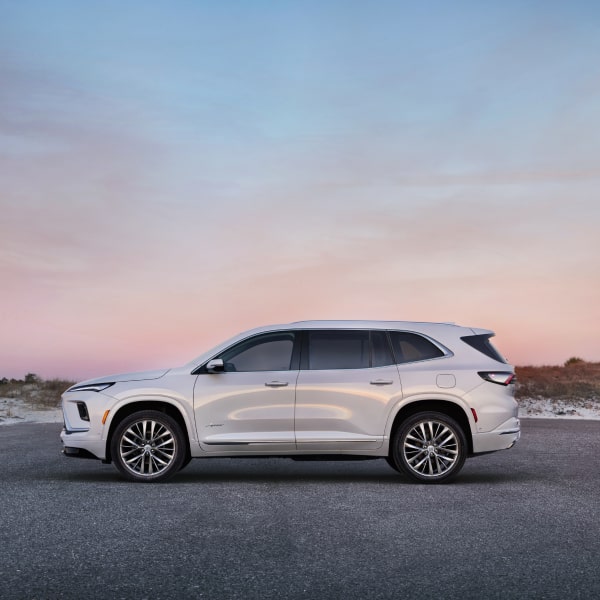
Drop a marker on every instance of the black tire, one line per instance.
(390, 461)
(148, 446)
(186, 461)
(429, 447)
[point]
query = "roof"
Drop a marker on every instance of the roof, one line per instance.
(363, 324)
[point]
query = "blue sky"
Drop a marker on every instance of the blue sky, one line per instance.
(174, 172)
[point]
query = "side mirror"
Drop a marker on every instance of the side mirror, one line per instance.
(215, 366)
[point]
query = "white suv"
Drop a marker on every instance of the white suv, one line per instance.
(423, 396)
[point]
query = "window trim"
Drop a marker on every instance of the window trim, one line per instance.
(299, 360)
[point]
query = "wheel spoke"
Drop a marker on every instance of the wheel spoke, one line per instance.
(165, 443)
(413, 447)
(159, 460)
(135, 461)
(448, 440)
(129, 452)
(447, 451)
(431, 437)
(132, 442)
(421, 457)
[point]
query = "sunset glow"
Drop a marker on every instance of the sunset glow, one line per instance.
(173, 173)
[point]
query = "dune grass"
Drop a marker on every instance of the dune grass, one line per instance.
(36, 393)
(577, 380)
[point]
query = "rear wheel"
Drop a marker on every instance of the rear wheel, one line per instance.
(429, 447)
(148, 446)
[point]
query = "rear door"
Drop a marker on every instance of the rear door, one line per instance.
(346, 387)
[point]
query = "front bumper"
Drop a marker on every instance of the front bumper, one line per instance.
(84, 431)
(82, 444)
(77, 453)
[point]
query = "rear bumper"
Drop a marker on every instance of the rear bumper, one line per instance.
(502, 438)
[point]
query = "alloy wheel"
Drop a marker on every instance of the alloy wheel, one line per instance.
(147, 448)
(430, 448)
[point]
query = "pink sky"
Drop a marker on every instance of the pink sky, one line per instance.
(159, 193)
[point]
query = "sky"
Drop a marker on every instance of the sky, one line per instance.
(172, 173)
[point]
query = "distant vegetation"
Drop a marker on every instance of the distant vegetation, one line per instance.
(38, 393)
(576, 380)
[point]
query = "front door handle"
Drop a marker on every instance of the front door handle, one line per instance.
(276, 383)
(382, 382)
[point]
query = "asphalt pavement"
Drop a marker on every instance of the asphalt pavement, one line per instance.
(523, 523)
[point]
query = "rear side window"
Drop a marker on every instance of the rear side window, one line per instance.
(381, 353)
(483, 344)
(411, 347)
(338, 350)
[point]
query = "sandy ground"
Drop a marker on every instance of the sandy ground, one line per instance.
(559, 409)
(15, 410)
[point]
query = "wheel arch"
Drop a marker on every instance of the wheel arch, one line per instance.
(447, 407)
(140, 405)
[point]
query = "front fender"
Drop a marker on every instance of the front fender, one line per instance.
(126, 406)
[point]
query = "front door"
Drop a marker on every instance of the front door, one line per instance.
(249, 407)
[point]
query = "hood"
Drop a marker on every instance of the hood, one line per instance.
(141, 376)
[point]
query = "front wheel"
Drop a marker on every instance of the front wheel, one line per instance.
(148, 446)
(429, 447)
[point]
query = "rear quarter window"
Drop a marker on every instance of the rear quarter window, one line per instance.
(482, 344)
(411, 347)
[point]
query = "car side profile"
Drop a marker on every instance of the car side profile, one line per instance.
(424, 396)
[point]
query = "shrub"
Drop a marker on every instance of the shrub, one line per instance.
(574, 360)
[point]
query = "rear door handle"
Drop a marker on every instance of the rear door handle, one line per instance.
(276, 383)
(382, 382)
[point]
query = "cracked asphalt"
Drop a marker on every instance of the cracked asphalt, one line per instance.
(522, 523)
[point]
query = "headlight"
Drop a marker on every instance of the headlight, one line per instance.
(90, 387)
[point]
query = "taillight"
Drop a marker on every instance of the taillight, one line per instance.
(499, 377)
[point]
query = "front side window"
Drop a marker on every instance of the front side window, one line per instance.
(268, 352)
(411, 347)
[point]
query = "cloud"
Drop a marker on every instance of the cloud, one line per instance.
(74, 173)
